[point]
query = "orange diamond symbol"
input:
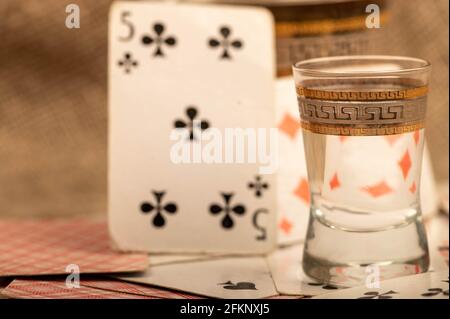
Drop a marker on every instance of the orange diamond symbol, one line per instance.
(289, 125)
(392, 138)
(342, 138)
(416, 137)
(334, 182)
(413, 188)
(378, 190)
(285, 225)
(405, 164)
(302, 190)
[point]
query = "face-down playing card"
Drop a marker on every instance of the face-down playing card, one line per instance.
(191, 128)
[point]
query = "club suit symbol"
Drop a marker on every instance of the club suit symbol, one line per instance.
(377, 295)
(227, 209)
(191, 113)
(127, 62)
(259, 186)
(159, 209)
(158, 40)
(225, 43)
(242, 285)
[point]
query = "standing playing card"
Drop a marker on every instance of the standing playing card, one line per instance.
(431, 285)
(292, 186)
(247, 277)
(190, 91)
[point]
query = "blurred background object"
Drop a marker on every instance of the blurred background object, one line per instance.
(53, 107)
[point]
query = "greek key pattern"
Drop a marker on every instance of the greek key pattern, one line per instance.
(368, 118)
(360, 131)
(411, 93)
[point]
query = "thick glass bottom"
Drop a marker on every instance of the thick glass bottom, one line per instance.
(353, 258)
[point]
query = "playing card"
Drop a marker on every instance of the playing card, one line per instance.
(164, 259)
(239, 277)
(134, 289)
(190, 92)
(292, 181)
(286, 268)
(431, 285)
(438, 232)
(41, 247)
(57, 289)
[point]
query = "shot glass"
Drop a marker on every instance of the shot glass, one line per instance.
(363, 120)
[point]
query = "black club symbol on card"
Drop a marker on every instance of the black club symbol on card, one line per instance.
(377, 295)
(191, 123)
(323, 286)
(431, 292)
(159, 209)
(225, 42)
(258, 186)
(242, 285)
(127, 62)
(227, 209)
(158, 40)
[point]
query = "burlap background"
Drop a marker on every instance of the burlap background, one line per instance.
(53, 112)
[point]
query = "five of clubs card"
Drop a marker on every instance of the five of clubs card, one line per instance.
(197, 70)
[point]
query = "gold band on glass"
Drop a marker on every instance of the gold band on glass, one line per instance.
(411, 93)
(346, 130)
(324, 26)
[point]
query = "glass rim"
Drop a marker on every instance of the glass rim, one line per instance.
(302, 66)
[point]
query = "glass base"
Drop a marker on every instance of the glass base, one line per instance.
(353, 258)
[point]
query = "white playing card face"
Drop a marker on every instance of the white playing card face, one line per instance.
(292, 187)
(437, 233)
(431, 285)
(164, 259)
(286, 268)
(201, 71)
(247, 277)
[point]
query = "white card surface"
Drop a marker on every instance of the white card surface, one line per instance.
(246, 277)
(431, 285)
(286, 268)
(292, 189)
(437, 233)
(171, 65)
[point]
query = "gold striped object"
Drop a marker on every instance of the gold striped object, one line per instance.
(324, 26)
(360, 131)
(410, 93)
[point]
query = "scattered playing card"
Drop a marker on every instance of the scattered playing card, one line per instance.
(164, 259)
(431, 285)
(438, 232)
(134, 289)
(292, 186)
(41, 247)
(192, 73)
(286, 268)
(57, 289)
(246, 277)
